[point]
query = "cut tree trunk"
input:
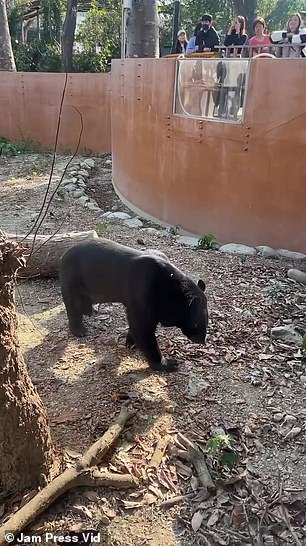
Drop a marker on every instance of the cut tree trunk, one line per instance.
(27, 455)
(68, 35)
(43, 259)
(247, 8)
(142, 31)
(7, 61)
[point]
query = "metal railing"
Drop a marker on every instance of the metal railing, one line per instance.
(249, 51)
(246, 51)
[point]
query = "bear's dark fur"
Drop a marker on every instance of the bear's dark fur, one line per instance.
(151, 288)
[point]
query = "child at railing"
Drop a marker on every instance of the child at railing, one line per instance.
(182, 42)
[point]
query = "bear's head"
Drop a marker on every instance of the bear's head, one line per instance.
(183, 304)
(195, 320)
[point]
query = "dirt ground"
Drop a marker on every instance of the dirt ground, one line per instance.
(242, 380)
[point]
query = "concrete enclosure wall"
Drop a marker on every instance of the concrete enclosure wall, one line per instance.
(243, 183)
(30, 103)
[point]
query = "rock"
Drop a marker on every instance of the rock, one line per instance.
(80, 183)
(196, 384)
(83, 200)
(277, 417)
(303, 379)
(77, 193)
(283, 253)
(259, 446)
(233, 248)
(186, 240)
(83, 173)
(297, 275)
(115, 208)
(89, 162)
(133, 222)
(108, 162)
(72, 180)
(93, 206)
(288, 334)
(73, 173)
(70, 188)
(117, 215)
(151, 231)
(267, 251)
(215, 245)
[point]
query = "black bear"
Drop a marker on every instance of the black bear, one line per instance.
(151, 288)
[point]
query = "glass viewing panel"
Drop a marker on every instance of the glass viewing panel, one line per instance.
(211, 88)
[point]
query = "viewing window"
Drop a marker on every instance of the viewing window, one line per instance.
(211, 88)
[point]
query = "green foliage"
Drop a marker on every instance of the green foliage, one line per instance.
(42, 51)
(220, 447)
(37, 56)
(101, 229)
(205, 242)
(99, 38)
(275, 290)
(304, 345)
(8, 148)
(242, 258)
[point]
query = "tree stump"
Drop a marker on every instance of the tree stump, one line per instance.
(27, 455)
(42, 259)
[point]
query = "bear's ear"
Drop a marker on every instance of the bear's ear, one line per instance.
(201, 285)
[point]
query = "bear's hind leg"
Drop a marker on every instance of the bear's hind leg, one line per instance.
(130, 341)
(75, 315)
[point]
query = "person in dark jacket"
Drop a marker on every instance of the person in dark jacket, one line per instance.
(207, 38)
(236, 35)
(182, 43)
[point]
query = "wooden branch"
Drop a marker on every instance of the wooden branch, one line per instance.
(97, 451)
(159, 452)
(94, 478)
(168, 503)
(48, 250)
(180, 454)
(198, 461)
(80, 474)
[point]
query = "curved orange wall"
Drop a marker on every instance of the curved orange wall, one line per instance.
(243, 183)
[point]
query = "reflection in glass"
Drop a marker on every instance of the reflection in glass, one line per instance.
(211, 88)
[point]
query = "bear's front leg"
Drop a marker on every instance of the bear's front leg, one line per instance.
(143, 333)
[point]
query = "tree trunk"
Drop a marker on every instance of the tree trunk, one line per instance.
(143, 30)
(44, 260)
(247, 8)
(7, 61)
(27, 455)
(68, 35)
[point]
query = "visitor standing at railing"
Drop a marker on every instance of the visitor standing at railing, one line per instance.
(192, 42)
(260, 39)
(236, 36)
(207, 38)
(182, 42)
(293, 28)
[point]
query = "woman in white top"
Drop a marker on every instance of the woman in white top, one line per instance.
(293, 27)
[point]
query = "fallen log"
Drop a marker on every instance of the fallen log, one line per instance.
(42, 259)
(83, 473)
